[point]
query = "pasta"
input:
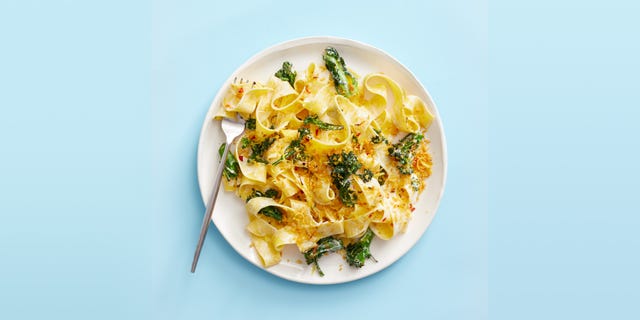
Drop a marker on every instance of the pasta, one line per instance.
(316, 165)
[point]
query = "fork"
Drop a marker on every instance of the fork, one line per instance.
(232, 129)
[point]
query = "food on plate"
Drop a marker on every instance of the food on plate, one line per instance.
(328, 161)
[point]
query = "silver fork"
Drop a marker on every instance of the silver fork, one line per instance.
(232, 129)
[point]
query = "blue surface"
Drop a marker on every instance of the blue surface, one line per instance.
(75, 155)
(196, 47)
(101, 106)
(564, 178)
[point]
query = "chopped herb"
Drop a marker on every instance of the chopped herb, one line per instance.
(324, 246)
(321, 124)
(286, 74)
(269, 211)
(358, 251)
(343, 80)
(404, 151)
(378, 138)
(415, 183)
(382, 176)
(258, 149)
(244, 142)
(366, 175)
(231, 166)
(250, 124)
(303, 132)
(295, 150)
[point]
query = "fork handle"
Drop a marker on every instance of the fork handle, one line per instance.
(210, 204)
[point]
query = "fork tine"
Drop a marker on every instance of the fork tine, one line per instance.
(243, 80)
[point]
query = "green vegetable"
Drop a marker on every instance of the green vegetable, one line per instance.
(269, 211)
(354, 140)
(343, 166)
(415, 183)
(272, 212)
(286, 74)
(358, 251)
(343, 80)
(258, 149)
(270, 193)
(378, 138)
(250, 124)
(324, 246)
(404, 151)
(244, 142)
(321, 124)
(382, 176)
(303, 132)
(231, 166)
(366, 175)
(295, 150)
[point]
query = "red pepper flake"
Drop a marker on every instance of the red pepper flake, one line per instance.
(241, 157)
(317, 132)
(412, 208)
(241, 90)
(358, 134)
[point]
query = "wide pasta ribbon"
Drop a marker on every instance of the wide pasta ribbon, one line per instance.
(408, 113)
(307, 125)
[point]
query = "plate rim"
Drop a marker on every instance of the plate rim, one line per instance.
(313, 40)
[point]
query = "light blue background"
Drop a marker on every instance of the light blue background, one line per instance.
(196, 47)
(75, 157)
(101, 105)
(564, 220)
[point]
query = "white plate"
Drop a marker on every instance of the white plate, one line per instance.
(229, 215)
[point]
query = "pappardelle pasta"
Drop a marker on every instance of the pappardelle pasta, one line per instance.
(328, 160)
